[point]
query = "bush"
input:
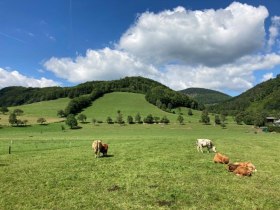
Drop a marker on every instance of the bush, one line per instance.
(274, 129)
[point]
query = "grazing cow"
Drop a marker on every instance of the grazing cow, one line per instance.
(201, 143)
(242, 168)
(98, 147)
(219, 158)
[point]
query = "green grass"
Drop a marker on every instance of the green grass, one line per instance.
(149, 166)
(46, 109)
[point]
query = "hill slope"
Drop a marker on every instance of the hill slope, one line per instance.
(206, 96)
(264, 97)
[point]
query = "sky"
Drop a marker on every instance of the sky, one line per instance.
(229, 46)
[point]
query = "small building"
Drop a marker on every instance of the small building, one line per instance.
(270, 119)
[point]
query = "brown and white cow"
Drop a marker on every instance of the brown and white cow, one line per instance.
(98, 147)
(219, 158)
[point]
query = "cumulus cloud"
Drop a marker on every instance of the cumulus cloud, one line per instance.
(210, 37)
(216, 49)
(99, 65)
(14, 78)
(237, 76)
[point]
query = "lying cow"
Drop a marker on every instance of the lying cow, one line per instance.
(98, 147)
(201, 143)
(242, 168)
(219, 158)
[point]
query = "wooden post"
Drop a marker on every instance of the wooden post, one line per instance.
(10, 147)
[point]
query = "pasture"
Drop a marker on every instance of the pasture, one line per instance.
(149, 166)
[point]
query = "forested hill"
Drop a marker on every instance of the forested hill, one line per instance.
(82, 95)
(206, 96)
(263, 98)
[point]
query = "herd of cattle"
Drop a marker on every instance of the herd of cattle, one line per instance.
(238, 168)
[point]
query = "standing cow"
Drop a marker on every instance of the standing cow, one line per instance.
(201, 143)
(98, 147)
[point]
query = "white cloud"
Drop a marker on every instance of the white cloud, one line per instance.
(237, 76)
(273, 32)
(267, 76)
(210, 37)
(14, 78)
(215, 49)
(105, 64)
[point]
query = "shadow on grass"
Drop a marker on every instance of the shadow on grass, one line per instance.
(106, 156)
(3, 164)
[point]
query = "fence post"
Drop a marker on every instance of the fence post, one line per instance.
(10, 147)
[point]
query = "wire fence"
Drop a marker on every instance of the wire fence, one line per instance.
(22, 146)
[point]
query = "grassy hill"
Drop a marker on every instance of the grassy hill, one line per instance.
(264, 97)
(127, 103)
(106, 106)
(206, 96)
(45, 109)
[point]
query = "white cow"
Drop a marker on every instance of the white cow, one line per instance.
(201, 143)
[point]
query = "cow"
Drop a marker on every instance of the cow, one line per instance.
(219, 158)
(242, 171)
(249, 165)
(98, 147)
(201, 143)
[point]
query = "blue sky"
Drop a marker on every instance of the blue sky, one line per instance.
(216, 44)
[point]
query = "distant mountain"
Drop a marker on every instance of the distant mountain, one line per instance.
(206, 96)
(264, 97)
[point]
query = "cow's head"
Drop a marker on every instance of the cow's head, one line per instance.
(214, 149)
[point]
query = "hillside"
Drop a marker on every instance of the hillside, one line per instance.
(103, 107)
(264, 97)
(206, 96)
(84, 94)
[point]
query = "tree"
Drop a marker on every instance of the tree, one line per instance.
(259, 120)
(82, 118)
(41, 120)
(71, 121)
(119, 118)
(164, 120)
(180, 119)
(156, 120)
(138, 118)
(217, 119)
(4, 109)
(129, 119)
(149, 119)
(61, 113)
(239, 118)
(13, 118)
(18, 112)
(204, 117)
(109, 120)
(190, 112)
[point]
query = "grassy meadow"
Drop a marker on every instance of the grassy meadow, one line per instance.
(148, 167)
